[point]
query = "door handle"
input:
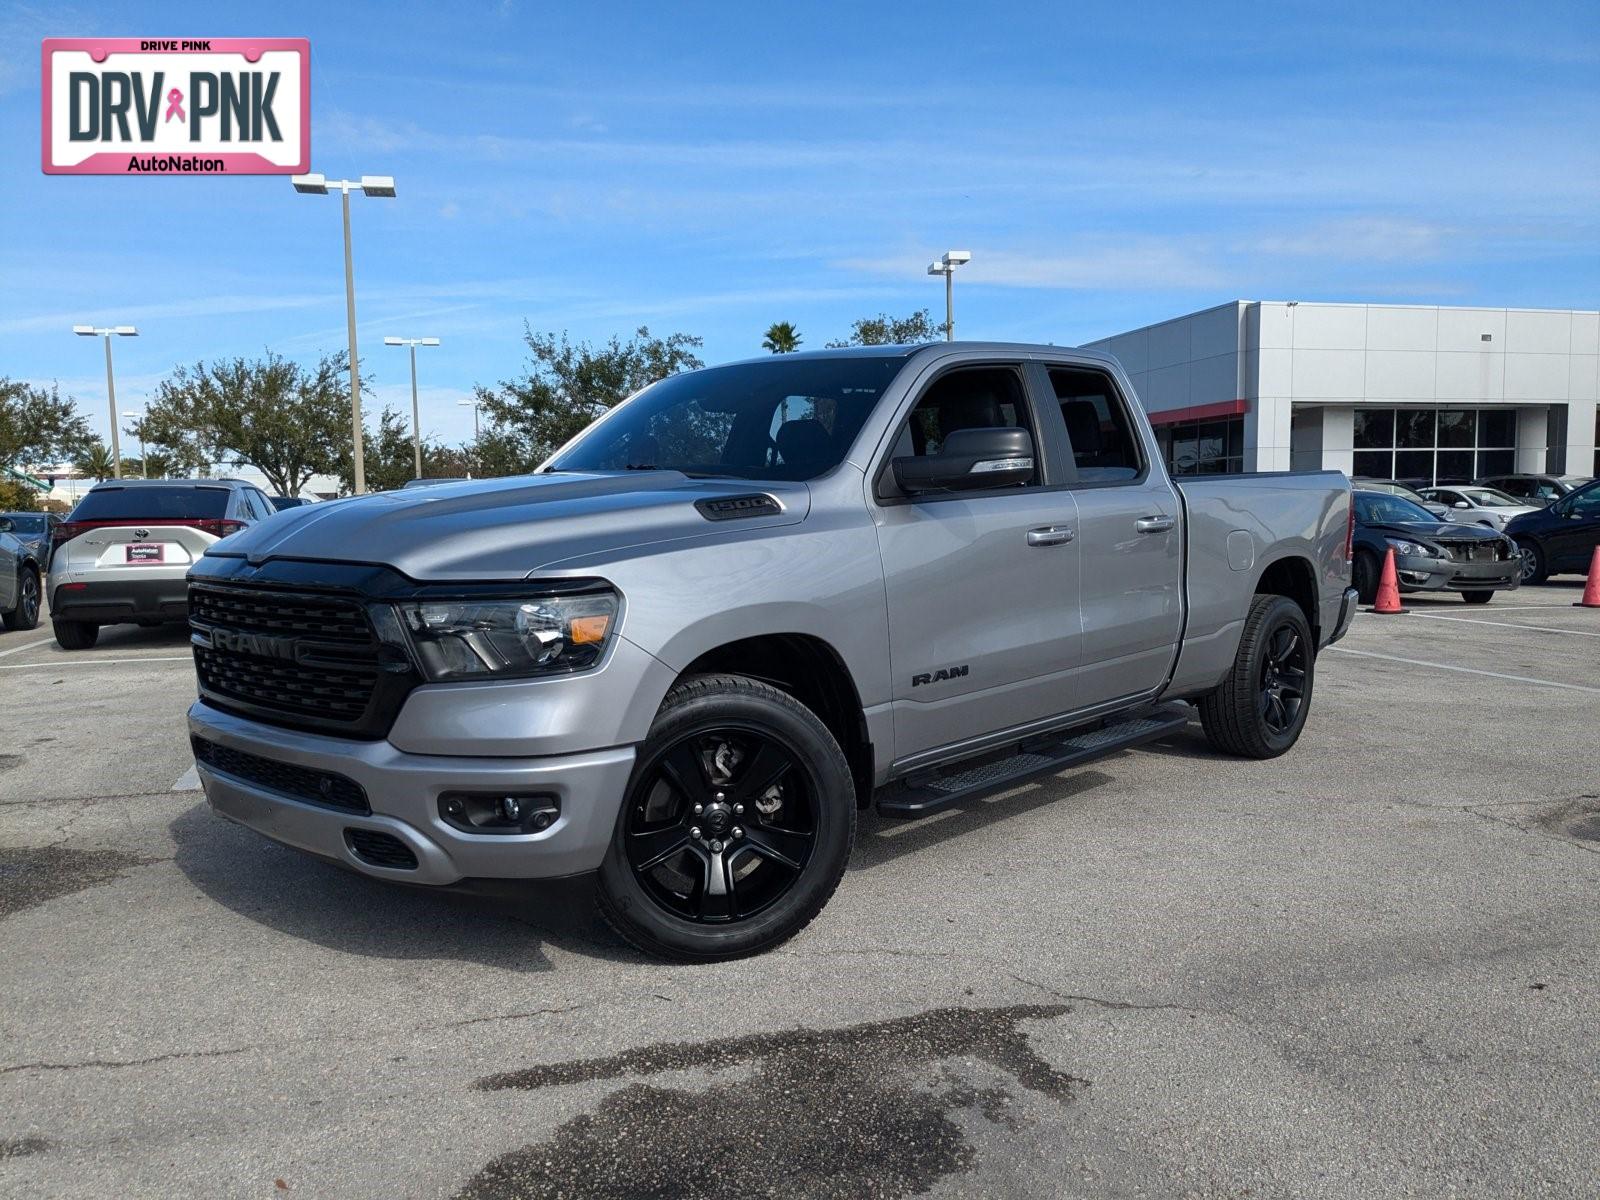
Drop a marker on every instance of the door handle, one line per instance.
(1157, 524)
(1050, 535)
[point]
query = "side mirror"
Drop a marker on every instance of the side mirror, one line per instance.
(1461, 504)
(970, 459)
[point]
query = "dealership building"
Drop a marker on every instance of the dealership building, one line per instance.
(1390, 391)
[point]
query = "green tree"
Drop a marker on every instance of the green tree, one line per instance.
(39, 426)
(288, 421)
(389, 461)
(884, 330)
(781, 338)
(159, 464)
(95, 461)
(567, 386)
(16, 496)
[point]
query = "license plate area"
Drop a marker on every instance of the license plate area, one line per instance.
(142, 553)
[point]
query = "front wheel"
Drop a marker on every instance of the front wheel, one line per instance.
(1261, 707)
(1532, 562)
(26, 613)
(736, 827)
(1477, 597)
(1364, 576)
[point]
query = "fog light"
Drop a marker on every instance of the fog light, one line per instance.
(496, 812)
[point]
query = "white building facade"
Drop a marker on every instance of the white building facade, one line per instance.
(1424, 394)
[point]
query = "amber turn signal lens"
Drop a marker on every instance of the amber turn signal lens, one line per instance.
(589, 629)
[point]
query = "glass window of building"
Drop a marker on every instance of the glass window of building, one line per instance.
(1204, 447)
(1427, 446)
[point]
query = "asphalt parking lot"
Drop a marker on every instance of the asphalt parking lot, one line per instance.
(1371, 967)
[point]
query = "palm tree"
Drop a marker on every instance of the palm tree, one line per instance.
(95, 462)
(782, 338)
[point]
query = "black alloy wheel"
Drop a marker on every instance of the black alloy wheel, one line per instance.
(1283, 679)
(720, 823)
(1261, 706)
(736, 826)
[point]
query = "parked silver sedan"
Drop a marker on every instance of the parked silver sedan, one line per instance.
(1472, 505)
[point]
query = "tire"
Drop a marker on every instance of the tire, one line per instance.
(26, 614)
(1364, 576)
(1477, 597)
(1534, 567)
(1276, 658)
(710, 732)
(76, 635)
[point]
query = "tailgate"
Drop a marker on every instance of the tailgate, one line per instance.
(120, 547)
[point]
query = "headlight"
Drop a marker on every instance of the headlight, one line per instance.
(540, 635)
(1413, 549)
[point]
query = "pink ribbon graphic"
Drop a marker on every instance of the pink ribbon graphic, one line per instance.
(175, 106)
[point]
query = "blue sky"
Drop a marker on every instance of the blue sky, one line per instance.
(712, 168)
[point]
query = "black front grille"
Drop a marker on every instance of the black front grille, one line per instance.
(304, 659)
(380, 849)
(300, 783)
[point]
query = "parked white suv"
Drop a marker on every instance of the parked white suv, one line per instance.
(120, 557)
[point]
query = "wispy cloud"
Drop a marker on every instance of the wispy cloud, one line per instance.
(1116, 264)
(197, 306)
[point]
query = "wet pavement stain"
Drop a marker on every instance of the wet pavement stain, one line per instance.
(22, 1147)
(860, 1111)
(29, 877)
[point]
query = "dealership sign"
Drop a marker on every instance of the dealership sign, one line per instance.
(171, 106)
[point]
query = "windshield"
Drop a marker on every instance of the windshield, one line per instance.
(790, 420)
(1379, 508)
(1489, 498)
(26, 523)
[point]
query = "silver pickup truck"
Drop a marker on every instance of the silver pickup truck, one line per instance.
(745, 603)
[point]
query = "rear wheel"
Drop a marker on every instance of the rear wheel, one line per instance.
(1364, 576)
(1261, 707)
(1477, 597)
(26, 614)
(76, 635)
(1531, 557)
(737, 824)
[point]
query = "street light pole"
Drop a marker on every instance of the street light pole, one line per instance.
(946, 265)
(375, 186)
(107, 332)
(416, 419)
(473, 404)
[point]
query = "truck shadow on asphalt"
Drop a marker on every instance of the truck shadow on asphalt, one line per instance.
(495, 925)
(867, 1110)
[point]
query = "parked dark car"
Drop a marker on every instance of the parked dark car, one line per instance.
(20, 572)
(279, 503)
(1561, 538)
(1430, 555)
(1535, 489)
(33, 530)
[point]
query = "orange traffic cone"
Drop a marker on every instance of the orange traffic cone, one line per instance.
(1591, 590)
(1388, 587)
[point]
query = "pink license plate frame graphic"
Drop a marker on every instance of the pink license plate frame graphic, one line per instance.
(233, 162)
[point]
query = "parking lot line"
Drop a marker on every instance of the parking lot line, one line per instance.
(1418, 662)
(189, 781)
(29, 646)
(1505, 624)
(95, 662)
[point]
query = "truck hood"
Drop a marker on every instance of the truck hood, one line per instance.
(507, 528)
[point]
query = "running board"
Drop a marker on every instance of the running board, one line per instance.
(925, 792)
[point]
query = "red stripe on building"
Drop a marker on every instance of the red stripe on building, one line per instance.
(1201, 412)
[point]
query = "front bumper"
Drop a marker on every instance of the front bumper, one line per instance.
(118, 601)
(1418, 574)
(403, 791)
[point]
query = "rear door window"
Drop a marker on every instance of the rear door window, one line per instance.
(152, 504)
(1104, 448)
